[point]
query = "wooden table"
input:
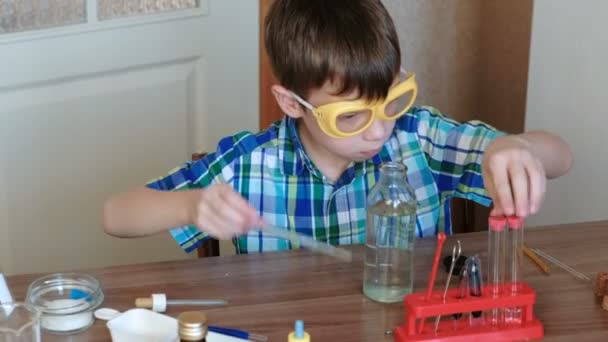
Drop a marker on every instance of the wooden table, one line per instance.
(268, 292)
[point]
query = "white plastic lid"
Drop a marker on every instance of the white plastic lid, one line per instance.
(106, 314)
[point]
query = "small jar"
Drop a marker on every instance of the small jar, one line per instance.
(192, 326)
(66, 301)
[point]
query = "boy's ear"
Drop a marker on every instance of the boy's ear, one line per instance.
(287, 102)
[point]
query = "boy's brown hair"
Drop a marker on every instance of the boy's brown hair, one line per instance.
(352, 42)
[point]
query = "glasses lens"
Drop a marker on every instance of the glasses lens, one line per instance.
(353, 121)
(399, 105)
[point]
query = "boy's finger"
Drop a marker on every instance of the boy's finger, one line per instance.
(236, 201)
(212, 216)
(260, 222)
(497, 210)
(245, 210)
(503, 190)
(212, 227)
(537, 187)
(230, 216)
(519, 187)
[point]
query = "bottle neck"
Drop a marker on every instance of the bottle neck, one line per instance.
(392, 172)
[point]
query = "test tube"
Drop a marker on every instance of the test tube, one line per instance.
(514, 265)
(496, 262)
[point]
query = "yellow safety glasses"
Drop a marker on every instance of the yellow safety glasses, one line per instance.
(345, 119)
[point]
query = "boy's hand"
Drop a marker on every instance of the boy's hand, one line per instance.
(514, 177)
(222, 212)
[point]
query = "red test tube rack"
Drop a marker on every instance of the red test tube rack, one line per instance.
(418, 308)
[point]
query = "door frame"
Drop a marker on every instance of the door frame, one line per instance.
(269, 109)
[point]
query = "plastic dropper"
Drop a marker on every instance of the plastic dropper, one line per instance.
(299, 335)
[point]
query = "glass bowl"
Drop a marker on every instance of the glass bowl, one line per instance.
(66, 301)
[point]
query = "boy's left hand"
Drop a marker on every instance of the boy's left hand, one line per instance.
(514, 177)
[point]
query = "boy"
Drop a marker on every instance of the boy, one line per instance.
(348, 109)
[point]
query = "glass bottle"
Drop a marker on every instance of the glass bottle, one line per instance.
(192, 326)
(391, 225)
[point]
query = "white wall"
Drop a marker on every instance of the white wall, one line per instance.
(237, 40)
(567, 88)
(85, 114)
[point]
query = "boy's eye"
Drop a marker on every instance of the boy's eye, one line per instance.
(353, 115)
(399, 104)
(352, 121)
(348, 118)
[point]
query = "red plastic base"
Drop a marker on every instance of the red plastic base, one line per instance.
(418, 308)
(527, 331)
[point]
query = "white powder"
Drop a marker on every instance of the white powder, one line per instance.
(66, 315)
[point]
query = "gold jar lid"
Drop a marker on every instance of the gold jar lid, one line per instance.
(192, 325)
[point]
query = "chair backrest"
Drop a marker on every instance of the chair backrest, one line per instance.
(468, 216)
(211, 246)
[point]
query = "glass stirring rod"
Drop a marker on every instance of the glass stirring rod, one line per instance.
(456, 252)
(310, 243)
(561, 265)
(307, 242)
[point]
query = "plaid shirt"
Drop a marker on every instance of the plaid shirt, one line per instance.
(272, 171)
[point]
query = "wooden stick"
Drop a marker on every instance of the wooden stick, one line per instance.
(541, 264)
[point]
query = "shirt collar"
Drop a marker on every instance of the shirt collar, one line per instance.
(290, 149)
(293, 158)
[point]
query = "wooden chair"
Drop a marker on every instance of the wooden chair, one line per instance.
(468, 216)
(211, 246)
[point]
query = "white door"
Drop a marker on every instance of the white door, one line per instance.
(92, 108)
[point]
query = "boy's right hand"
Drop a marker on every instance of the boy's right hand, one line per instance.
(222, 213)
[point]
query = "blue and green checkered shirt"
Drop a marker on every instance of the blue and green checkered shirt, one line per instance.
(272, 171)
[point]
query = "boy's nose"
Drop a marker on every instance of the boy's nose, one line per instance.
(375, 131)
